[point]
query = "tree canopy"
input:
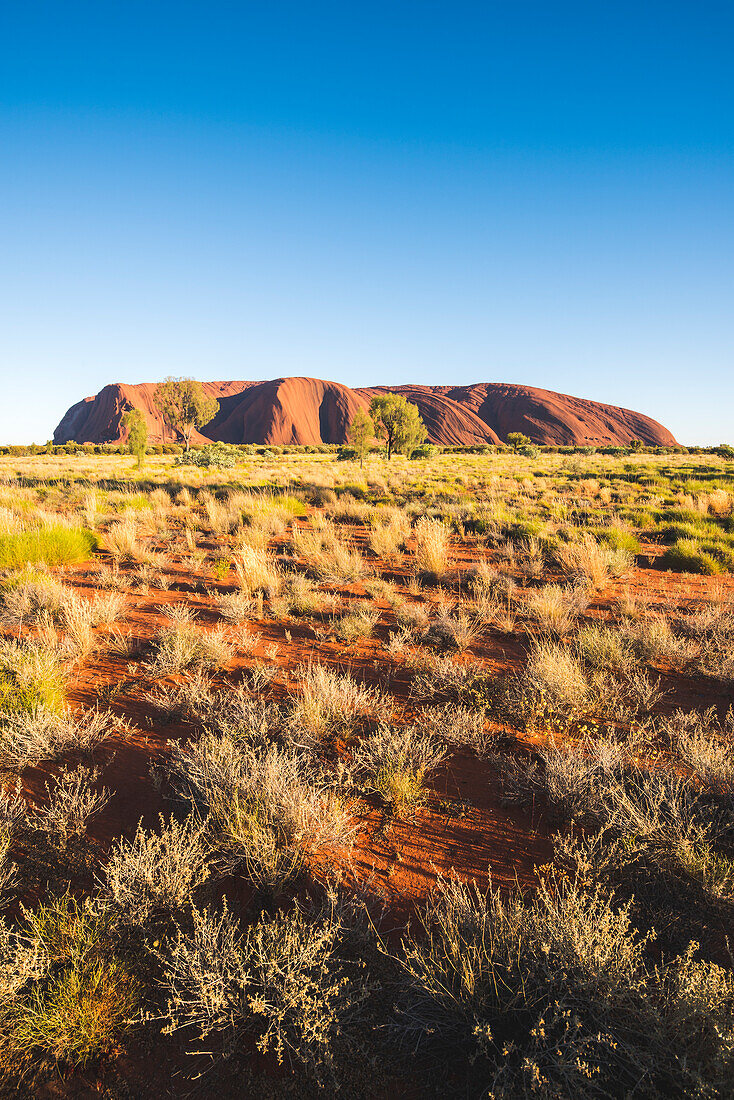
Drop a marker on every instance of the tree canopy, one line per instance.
(184, 405)
(361, 433)
(137, 433)
(398, 422)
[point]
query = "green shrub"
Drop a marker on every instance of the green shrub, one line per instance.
(217, 454)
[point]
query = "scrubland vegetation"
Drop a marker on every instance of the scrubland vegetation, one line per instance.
(396, 778)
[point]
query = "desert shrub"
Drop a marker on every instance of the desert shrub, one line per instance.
(704, 745)
(234, 711)
(155, 874)
(431, 547)
(30, 677)
(714, 633)
(267, 808)
(393, 762)
(572, 776)
(223, 455)
(329, 703)
(461, 725)
(553, 995)
(28, 737)
(71, 998)
(52, 545)
(183, 644)
(287, 981)
(13, 815)
(71, 801)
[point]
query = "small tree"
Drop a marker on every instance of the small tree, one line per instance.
(518, 440)
(137, 434)
(361, 433)
(398, 422)
(183, 406)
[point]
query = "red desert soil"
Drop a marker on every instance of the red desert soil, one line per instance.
(463, 828)
(310, 411)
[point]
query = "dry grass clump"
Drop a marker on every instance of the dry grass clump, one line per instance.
(326, 555)
(267, 512)
(329, 704)
(28, 737)
(155, 874)
(266, 808)
(604, 648)
(554, 996)
(256, 571)
(439, 676)
(300, 596)
(393, 763)
(357, 623)
(556, 678)
(288, 981)
(413, 617)
(80, 616)
(30, 595)
(123, 541)
(389, 532)
(452, 629)
(432, 539)
(183, 645)
(555, 609)
(237, 607)
(591, 563)
(654, 640)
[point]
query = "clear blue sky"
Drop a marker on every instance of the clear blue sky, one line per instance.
(436, 192)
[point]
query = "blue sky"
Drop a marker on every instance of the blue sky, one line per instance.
(369, 192)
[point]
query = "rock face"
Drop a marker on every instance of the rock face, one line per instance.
(309, 410)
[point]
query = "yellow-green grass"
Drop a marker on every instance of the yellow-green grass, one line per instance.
(52, 545)
(30, 678)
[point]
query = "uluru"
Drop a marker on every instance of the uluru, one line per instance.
(310, 410)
